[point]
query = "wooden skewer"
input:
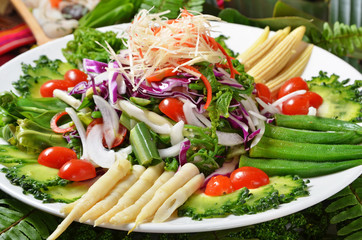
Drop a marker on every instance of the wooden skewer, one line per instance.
(33, 24)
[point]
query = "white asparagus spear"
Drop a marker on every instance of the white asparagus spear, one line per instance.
(116, 193)
(178, 198)
(95, 193)
(186, 172)
(145, 181)
(129, 214)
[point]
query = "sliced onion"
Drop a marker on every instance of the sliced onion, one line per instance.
(96, 151)
(172, 151)
(176, 133)
(80, 128)
(112, 83)
(229, 139)
(190, 116)
(260, 134)
(286, 97)
(110, 119)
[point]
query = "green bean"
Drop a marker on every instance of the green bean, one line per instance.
(308, 136)
(308, 122)
(274, 148)
(280, 167)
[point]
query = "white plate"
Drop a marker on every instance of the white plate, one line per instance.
(240, 38)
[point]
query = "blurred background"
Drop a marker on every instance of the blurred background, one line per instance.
(334, 25)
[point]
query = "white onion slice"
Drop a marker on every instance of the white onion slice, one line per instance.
(65, 97)
(176, 134)
(190, 116)
(96, 152)
(286, 97)
(229, 139)
(172, 151)
(80, 128)
(110, 119)
(257, 138)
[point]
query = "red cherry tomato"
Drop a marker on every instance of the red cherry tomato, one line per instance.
(297, 105)
(122, 132)
(263, 92)
(46, 90)
(249, 177)
(77, 170)
(219, 185)
(315, 100)
(55, 157)
(292, 85)
(75, 76)
(173, 108)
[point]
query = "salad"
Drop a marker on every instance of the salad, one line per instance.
(176, 106)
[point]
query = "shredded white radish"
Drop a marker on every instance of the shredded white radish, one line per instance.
(154, 42)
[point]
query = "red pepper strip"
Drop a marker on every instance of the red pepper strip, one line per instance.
(215, 45)
(228, 58)
(186, 13)
(140, 52)
(54, 125)
(161, 74)
(207, 85)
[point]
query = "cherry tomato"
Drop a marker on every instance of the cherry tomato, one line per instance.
(77, 170)
(263, 92)
(46, 90)
(55, 157)
(297, 105)
(75, 76)
(249, 177)
(55, 3)
(292, 85)
(219, 185)
(173, 108)
(315, 100)
(122, 132)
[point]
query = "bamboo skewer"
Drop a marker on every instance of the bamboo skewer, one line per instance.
(33, 24)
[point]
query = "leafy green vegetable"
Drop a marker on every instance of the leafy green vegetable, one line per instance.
(341, 40)
(85, 45)
(173, 5)
(34, 76)
(19, 221)
(340, 100)
(205, 152)
(108, 12)
(33, 138)
(346, 211)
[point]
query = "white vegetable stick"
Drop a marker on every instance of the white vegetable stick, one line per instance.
(69, 207)
(178, 198)
(110, 200)
(145, 181)
(186, 172)
(129, 214)
(96, 192)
